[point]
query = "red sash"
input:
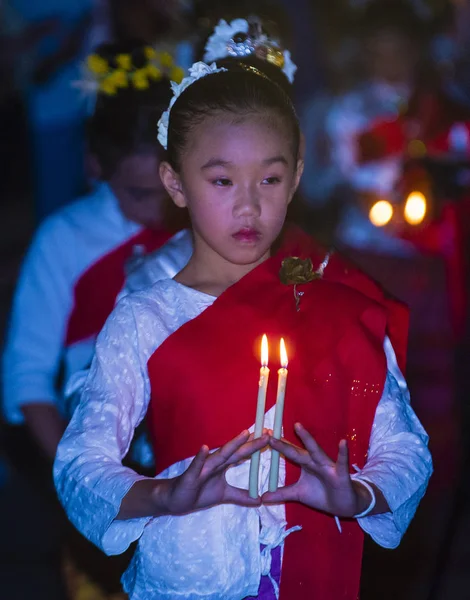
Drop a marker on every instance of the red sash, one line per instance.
(96, 291)
(204, 385)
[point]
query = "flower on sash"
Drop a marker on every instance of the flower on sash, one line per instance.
(295, 271)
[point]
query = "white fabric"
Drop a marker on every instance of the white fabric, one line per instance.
(64, 247)
(163, 263)
(215, 553)
(354, 113)
(142, 271)
(349, 116)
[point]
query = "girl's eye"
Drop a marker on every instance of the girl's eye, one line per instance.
(271, 180)
(222, 182)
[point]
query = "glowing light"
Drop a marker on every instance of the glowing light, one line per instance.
(264, 351)
(283, 353)
(415, 208)
(381, 213)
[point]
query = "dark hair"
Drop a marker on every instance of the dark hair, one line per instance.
(241, 90)
(276, 74)
(126, 122)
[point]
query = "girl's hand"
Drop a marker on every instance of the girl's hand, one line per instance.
(323, 484)
(203, 484)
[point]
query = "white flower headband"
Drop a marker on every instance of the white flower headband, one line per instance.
(197, 71)
(243, 38)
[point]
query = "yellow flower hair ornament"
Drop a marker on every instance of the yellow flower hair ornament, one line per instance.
(135, 70)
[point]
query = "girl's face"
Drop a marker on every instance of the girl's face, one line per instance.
(139, 189)
(237, 178)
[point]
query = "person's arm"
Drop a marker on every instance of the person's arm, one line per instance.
(90, 479)
(384, 495)
(109, 503)
(46, 425)
(33, 349)
(399, 463)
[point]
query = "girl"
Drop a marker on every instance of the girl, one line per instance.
(257, 49)
(182, 353)
(72, 274)
(75, 266)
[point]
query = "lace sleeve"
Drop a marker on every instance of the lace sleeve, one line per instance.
(89, 476)
(399, 462)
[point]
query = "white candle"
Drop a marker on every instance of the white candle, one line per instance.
(277, 429)
(259, 422)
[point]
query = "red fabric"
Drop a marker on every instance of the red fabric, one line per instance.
(384, 138)
(440, 144)
(96, 291)
(204, 385)
(445, 236)
(341, 270)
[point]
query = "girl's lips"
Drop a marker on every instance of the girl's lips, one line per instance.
(247, 235)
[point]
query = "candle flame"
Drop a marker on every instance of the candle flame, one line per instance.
(264, 351)
(283, 352)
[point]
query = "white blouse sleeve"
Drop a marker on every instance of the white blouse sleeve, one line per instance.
(88, 473)
(41, 306)
(399, 462)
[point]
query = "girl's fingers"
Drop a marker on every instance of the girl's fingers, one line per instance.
(234, 495)
(230, 447)
(220, 457)
(195, 468)
(311, 445)
(265, 431)
(297, 455)
(289, 493)
(247, 450)
(342, 463)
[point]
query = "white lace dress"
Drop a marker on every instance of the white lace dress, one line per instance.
(215, 553)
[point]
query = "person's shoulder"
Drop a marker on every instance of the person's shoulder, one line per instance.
(82, 212)
(153, 310)
(160, 294)
(85, 210)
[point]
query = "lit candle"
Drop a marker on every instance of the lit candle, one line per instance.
(259, 423)
(277, 429)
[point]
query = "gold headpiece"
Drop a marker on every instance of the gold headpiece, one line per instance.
(242, 38)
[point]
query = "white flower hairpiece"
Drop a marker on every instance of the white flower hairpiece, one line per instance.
(241, 38)
(197, 71)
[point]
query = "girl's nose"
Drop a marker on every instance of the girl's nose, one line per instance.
(247, 203)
